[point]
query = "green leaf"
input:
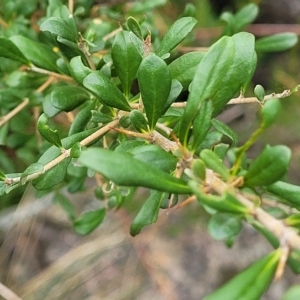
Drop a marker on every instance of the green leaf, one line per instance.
(9, 50)
(293, 293)
(223, 226)
(46, 132)
(221, 150)
(60, 28)
(127, 55)
(134, 26)
(155, 84)
(286, 191)
(226, 130)
(36, 168)
(78, 70)
(175, 91)
(148, 214)
(2, 176)
(198, 168)
(259, 92)
(202, 123)
(138, 121)
(270, 166)
(245, 16)
(175, 35)
(89, 221)
(105, 91)
(99, 117)
(213, 162)
(251, 283)
(277, 42)
(67, 98)
(184, 67)
(142, 7)
(224, 203)
(76, 150)
(57, 174)
(270, 111)
(66, 204)
(39, 54)
(125, 170)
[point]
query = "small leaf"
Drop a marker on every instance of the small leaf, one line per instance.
(259, 92)
(138, 121)
(198, 168)
(47, 133)
(213, 162)
(270, 166)
(223, 226)
(277, 42)
(226, 130)
(89, 221)
(2, 176)
(252, 282)
(36, 168)
(176, 34)
(155, 84)
(76, 150)
(105, 91)
(184, 67)
(78, 70)
(245, 16)
(99, 117)
(9, 50)
(67, 98)
(286, 191)
(66, 204)
(134, 26)
(148, 214)
(125, 170)
(293, 293)
(202, 123)
(270, 111)
(175, 91)
(60, 27)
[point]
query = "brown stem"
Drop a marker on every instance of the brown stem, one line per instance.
(8, 294)
(85, 50)
(50, 73)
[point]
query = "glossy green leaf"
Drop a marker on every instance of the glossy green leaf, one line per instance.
(202, 123)
(175, 35)
(155, 84)
(293, 293)
(207, 81)
(154, 155)
(223, 226)
(148, 214)
(78, 70)
(2, 176)
(123, 169)
(36, 168)
(223, 203)
(286, 191)
(82, 119)
(175, 91)
(105, 91)
(39, 54)
(270, 166)
(259, 92)
(89, 221)
(60, 28)
(134, 26)
(213, 162)
(270, 111)
(276, 42)
(251, 283)
(184, 67)
(226, 130)
(99, 117)
(138, 120)
(245, 16)
(9, 50)
(198, 168)
(221, 150)
(66, 204)
(76, 150)
(57, 174)
(67, 98)
(127, 55)
(48, 133)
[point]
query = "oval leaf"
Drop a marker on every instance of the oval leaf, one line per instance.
(78, 70)
(138, 121)
(134, 26)
(67, 98)
(226, 130)
(155, 84)
(270, 166)
(176, 34)
(123, 169)
(270, 111)
(106, 91)
(277, 42)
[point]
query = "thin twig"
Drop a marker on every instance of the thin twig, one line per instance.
(85, 50)
(6, 118)
(111, 34)
(8, 294)
(71, 6)
(50, 73)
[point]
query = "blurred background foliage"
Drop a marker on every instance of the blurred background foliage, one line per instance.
(181, 255)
